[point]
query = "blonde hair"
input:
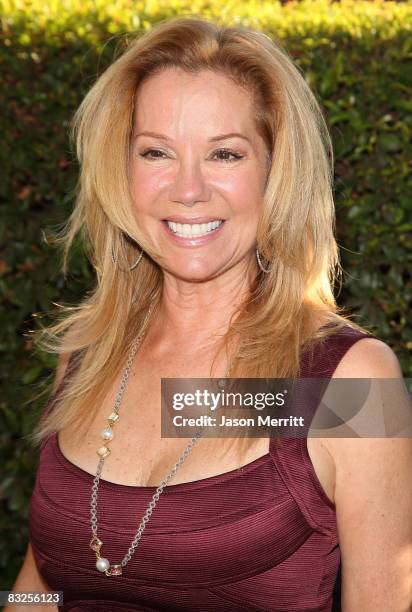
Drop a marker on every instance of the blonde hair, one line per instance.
(295, 233)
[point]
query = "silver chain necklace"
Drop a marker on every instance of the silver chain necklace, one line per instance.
(103, 564)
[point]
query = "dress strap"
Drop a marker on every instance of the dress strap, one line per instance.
(291, 455)
(330, 352)
(320, 366)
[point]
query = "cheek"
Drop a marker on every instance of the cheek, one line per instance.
(145, 186)
(141, 171)
(153, 181)
(245, 194)
(247, 202)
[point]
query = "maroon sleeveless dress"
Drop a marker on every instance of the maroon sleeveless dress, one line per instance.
(262, 537)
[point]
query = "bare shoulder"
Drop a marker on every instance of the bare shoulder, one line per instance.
(366, 358)
(369, 358)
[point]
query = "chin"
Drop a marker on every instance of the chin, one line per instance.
(193, 274)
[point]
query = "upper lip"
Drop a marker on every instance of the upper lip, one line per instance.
(191, 220)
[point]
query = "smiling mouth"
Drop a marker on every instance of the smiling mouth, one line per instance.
(193, 230)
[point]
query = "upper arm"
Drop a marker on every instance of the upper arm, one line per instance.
(373, 497)
(29, 577)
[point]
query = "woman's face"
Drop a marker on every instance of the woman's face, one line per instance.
(197, 172)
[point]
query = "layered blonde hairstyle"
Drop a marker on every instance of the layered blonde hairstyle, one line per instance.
(295, 233)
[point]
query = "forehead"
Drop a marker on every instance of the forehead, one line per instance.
(208, 100)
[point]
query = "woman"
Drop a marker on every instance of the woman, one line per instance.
(205, 202)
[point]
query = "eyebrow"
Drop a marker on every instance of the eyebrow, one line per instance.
(213, 139)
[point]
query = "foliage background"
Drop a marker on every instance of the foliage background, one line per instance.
(356, 55)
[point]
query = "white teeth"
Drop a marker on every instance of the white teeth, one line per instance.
(187, 230)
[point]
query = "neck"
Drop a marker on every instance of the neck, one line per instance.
(193, 316)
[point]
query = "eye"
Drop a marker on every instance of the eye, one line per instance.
(146, 155)
(157, 154)
(235, 156)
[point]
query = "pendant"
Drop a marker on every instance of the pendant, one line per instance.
(114, 570)
(103, 451)
(107, 434)
(95, 544)
(102, 564)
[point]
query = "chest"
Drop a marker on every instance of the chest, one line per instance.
(243, 539)
(141, 457)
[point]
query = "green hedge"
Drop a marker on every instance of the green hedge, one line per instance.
(357, 57)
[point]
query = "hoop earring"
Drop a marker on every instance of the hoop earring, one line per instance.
(133, 266)
(261, 266)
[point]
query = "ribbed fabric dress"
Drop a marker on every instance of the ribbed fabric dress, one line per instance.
(262, 537)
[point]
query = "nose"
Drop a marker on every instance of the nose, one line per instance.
(189, 186)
